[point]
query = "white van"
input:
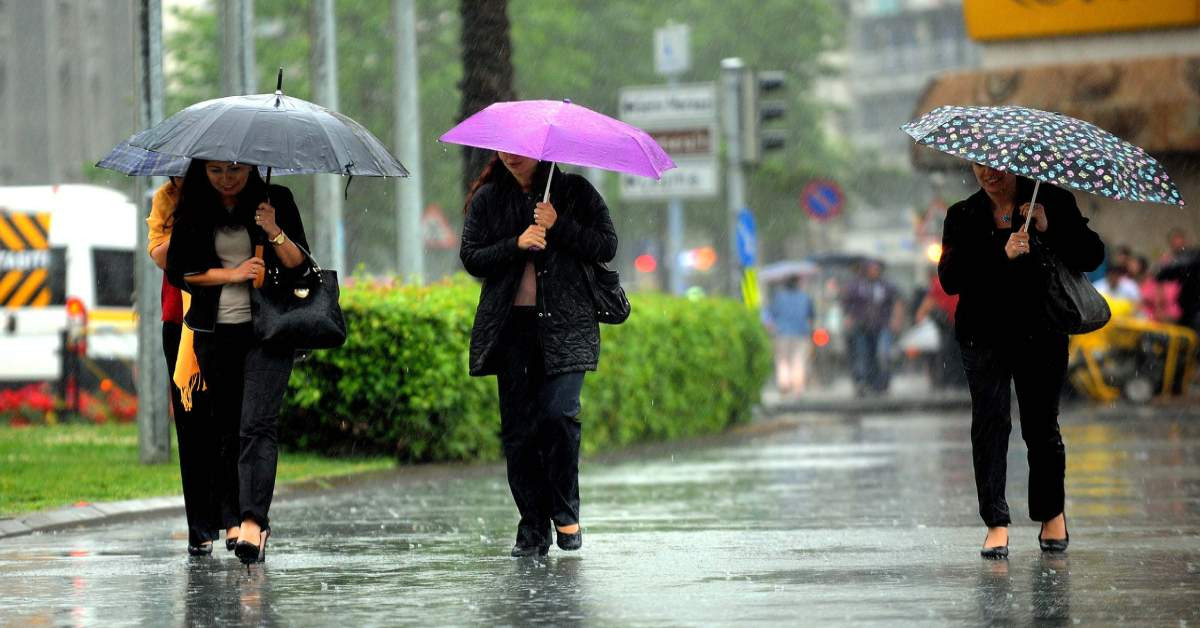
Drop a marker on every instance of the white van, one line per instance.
(58, 242)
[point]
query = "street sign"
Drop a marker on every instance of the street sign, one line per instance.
(649, 106)
(691, 178)
(435, 229)
(672, 50)
(683, 120)
(822, 199)
(747, 238)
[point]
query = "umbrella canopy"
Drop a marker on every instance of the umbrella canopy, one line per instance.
(780, 271)
(135, 161)
(561, 131)
(275, 131)
(1049, 147)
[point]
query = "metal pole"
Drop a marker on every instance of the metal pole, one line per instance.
(232, 63)
(331, 243)
(249, 59)
(732, 71)
(675, 230)
(154, 429)
(410, 244)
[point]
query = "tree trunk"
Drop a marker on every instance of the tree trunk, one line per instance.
(487, 68)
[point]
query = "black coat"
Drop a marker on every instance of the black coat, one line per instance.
(1002, 298)
(193, 251)
(499, 213)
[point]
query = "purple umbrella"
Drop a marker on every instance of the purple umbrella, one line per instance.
(560, 131)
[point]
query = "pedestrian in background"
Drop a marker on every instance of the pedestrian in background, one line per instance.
(1181, 267)
(1006, 340)
(1157, 299)
(790, 321)
(198, 447)
(536, 329)
(1116, 284)
(224, 209)
(873, 314)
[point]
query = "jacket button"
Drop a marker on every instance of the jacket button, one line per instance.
(539, 314)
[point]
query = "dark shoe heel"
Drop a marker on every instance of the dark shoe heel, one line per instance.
(249, 553)
(204, 549)
(994, 553)
(569, 542)
(1055, 546)
(230, 544)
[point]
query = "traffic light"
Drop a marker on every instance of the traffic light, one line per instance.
(756, 110)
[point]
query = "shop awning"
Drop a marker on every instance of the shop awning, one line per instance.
(1152, 102)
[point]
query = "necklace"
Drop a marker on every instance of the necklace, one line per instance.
(1006, 219)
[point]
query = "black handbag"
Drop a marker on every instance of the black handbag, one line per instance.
(608, 297)
(303, 314)
(1072, 304)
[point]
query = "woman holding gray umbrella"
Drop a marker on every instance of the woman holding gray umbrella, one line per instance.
(536, 329)
(1006, 340)
(224, 210)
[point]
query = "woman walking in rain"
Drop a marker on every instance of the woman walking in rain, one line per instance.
(536, 330)
(1006, 340)
(224, 209)
(197, 443)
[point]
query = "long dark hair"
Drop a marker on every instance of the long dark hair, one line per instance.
(494, 171)
(200, 210)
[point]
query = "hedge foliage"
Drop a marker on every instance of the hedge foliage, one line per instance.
(676, 368)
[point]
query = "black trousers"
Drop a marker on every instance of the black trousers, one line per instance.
(198, 450)
(1037, 365)
(540, 432)
(246, 383)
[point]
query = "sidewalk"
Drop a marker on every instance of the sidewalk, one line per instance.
(909, 392)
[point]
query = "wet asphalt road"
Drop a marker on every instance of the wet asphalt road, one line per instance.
(866, 520)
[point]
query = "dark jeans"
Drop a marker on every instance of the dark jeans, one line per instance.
(198, 451)
(540, 432)
(246, 383)
(1037, 365)
(870, 370)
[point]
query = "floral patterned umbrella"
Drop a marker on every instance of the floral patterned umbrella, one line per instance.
(1047, 146)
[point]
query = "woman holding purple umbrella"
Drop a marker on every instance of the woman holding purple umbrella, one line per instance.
(536, 329)
(1005, 339)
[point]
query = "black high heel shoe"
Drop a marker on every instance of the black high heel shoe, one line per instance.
(569, 542)
(250, 553)
(1055, 546)
(994, 553)
(204, 549)
(230, 543)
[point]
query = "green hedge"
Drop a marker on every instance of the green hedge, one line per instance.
(400, 385)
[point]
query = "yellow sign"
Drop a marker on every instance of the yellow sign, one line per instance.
(24, 259)
(750, 295)
(1018, 19)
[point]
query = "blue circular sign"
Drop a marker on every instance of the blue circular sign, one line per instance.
(822, 199)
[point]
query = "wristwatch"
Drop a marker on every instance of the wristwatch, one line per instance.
(279, 239)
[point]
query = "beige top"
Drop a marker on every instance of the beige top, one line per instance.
(527, 290)
(233, 247)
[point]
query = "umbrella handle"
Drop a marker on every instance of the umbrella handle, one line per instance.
(546, 194)
(1036, 184)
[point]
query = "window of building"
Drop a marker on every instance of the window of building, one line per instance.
(112, 275)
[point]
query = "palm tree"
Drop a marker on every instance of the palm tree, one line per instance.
(487, 68)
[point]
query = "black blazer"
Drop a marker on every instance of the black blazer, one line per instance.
(1002, 298)
(193, 251)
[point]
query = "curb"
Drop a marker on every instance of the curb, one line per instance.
(865, 405)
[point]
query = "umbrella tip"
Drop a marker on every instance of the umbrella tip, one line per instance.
(279, 81)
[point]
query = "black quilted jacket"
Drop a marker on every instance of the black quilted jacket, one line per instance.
(498, 214)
